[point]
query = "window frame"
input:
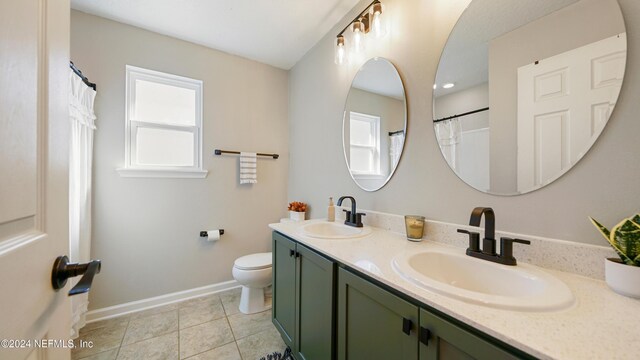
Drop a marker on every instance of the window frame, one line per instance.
(134, 169)
(375, 148)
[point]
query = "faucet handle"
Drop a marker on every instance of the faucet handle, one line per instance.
(474, 240)
(506, 249)
(359, 219)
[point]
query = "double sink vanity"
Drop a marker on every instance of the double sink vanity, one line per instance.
(345, 292)
(522, 92)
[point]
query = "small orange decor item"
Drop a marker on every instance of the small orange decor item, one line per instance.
(297, 206)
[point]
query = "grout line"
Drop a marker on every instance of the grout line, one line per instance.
(123, 335)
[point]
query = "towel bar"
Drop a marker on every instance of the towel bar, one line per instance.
(220, 152)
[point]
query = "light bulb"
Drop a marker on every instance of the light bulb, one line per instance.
(341, 52)
(378, 23)
(358, 36)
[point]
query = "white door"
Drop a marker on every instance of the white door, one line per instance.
(34, 156)
(564, 103)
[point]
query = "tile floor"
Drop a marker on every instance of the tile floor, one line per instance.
(204, 328)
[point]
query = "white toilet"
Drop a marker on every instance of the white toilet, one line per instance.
(253, 272)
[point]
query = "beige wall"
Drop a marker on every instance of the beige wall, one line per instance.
(146, 230)
(582, 23)
(462, 101)
(603, 184)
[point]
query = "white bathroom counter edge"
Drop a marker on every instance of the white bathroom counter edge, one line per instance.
(601, 324)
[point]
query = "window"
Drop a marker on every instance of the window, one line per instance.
(163, 125)
(364, 152)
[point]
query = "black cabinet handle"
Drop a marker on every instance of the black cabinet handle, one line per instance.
(292, 252)
(406, 326)
(63, 270)
(297, 254)
(424, 336)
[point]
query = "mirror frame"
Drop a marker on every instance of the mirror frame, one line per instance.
(406, 122)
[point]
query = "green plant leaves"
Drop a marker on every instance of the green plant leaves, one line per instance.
(626, 236)
(607, 235)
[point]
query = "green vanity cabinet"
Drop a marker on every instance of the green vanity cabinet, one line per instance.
(318, 302)
(284, 288)
(303, 301)
(373, 323)
(441, 339)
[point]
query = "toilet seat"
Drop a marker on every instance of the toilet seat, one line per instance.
(253, 261)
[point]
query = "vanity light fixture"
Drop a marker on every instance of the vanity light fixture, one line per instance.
(357, 38)
(341, 52)
(448, 85)
(370, 20)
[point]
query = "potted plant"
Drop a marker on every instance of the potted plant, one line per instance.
(297, 210)
(623, 275)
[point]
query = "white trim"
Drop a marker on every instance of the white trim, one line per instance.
(374, 123)
(162, 173)
(150, 303)
(134, 73)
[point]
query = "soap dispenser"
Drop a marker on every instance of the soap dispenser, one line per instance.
(331, 211)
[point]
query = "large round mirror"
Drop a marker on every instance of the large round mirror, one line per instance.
(524, 88)
(374, 124)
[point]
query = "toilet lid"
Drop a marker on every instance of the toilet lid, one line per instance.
(253, 261)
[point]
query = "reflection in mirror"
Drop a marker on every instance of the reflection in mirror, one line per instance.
(524, 89)
(374, 124)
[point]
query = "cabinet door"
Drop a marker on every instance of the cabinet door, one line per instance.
(314, 335)
(448, 341)
(284, 287)
(373, 323)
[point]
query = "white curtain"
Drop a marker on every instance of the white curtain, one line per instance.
(395, 147)
(448, 134)
(81, 155)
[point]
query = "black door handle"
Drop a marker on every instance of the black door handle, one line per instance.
(292, 252)
(424, 336)
(406, 326)
(63, 270)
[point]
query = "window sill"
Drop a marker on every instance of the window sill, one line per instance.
(162, 173)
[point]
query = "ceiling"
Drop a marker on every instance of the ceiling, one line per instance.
(465, 58)
(274, 32)
(380, 77)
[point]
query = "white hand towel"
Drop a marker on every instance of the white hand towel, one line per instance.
(248, 168)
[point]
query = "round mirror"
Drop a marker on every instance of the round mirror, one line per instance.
(374, 124)
(524, 89)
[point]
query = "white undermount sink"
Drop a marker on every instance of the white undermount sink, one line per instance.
(334, 230)
(522, 287)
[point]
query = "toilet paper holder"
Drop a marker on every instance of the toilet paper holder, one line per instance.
(204, 233)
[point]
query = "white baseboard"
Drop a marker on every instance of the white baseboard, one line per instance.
(144, 304)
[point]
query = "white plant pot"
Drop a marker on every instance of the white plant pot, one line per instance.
(621, 278)
(297, 216)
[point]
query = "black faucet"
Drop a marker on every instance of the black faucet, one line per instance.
(353, 218)
(488, 251)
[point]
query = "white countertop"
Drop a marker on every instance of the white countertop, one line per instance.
(600, 325)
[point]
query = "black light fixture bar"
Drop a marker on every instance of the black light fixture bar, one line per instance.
(357, 18)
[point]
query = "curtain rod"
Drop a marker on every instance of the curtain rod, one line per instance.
(84, 78)
(461, 115)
